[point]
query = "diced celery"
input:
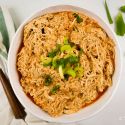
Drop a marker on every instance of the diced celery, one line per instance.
(65, 40)
(61, 72)
(79, 71)
(65, 48)
(46, 61)
(54, 62)
(70, 72)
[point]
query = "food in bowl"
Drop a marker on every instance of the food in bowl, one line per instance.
(65, 62)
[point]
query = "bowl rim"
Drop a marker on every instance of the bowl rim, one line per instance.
(10, 57)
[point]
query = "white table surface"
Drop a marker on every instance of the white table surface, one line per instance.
(114, 112)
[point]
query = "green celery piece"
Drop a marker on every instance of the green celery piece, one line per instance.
(70, 72)
(119, 25)
(46, 61)
(54, 62)
(79, 71)
(65, 40)
(65, 48)
(61, 72)
(57, 62)
(108, 13)
(122, 8)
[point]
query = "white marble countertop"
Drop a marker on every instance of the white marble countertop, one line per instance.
(114, 112)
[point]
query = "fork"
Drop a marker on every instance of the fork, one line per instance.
(17, 108)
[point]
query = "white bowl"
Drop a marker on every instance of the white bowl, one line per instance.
(34, 109)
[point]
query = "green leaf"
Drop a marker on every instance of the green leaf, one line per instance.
(119, 24)
(52, 54)
(57, 62)
(108, 13)
(73, 59)
(62, 62)
(54, 89)
(48, 80)
(78, 18)
(122, 8)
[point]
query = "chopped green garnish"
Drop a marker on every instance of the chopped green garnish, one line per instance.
(66, 62)
(108, 13)
(48, 80)
(78, 18)
(58, 46)
(61, 72)
(122, 8)
(54, 52)
(77, 67)
(57, 62)
(79, 71)
(54, 62)
(65, 48)
(46, 61)
(70, 72)
(73, 59)
(119, 24)
(62, 62)
(66, 40)
(54, 89)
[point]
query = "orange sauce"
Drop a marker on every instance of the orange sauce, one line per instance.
(100, 94)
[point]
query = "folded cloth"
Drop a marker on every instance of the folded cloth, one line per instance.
(7, 31)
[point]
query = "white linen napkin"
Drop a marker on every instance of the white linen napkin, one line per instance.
(7, 31)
